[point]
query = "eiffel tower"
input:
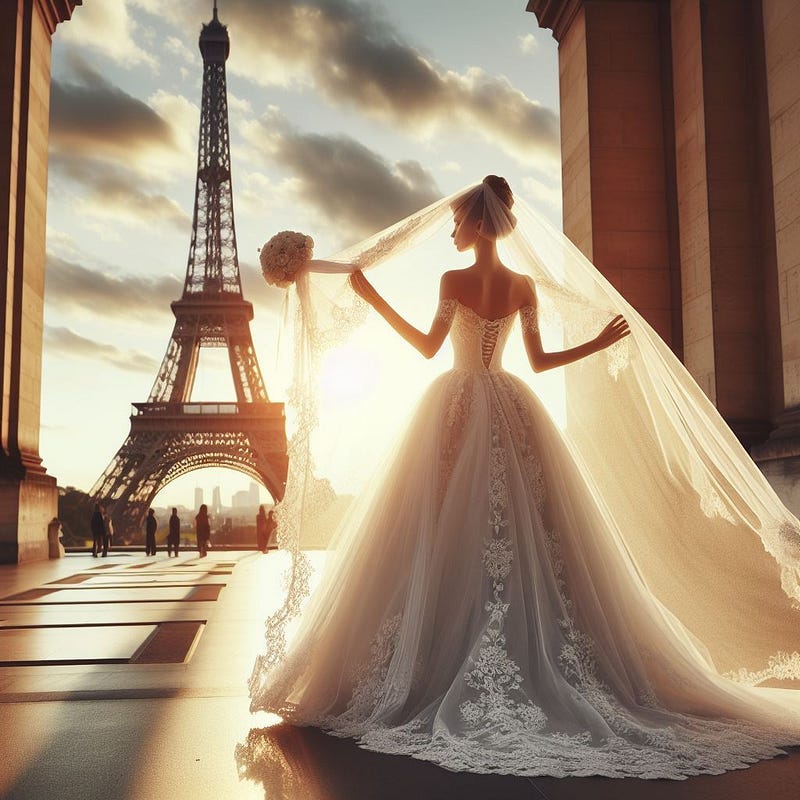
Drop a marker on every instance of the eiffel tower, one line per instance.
(170, 435)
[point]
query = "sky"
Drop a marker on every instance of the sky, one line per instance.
(399, 103)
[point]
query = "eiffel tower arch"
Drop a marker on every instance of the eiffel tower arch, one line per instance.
(170, 435)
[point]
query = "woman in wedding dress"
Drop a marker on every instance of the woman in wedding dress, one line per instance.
(511, 596)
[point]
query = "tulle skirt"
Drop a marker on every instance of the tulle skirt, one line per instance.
(480, 611)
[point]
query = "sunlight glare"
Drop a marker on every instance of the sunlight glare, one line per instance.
(347, 375)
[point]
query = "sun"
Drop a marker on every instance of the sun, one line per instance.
(364, 396)
(347, 375)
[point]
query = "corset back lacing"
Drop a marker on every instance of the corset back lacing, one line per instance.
(472, 334)
(489, 333)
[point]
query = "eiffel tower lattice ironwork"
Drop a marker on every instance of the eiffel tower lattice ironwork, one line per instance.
(170, 435)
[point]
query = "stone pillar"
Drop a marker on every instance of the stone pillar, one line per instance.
(616, 140)
(781, 28)
(721, 197)
(668, 182)
(28, 496)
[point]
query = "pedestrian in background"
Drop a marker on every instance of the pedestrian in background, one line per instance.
(174, 535)
(108, 532)
(98, 529)
(151, 526)
(261, 530)
(203, 530)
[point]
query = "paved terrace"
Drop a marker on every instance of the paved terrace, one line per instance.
(125, 677)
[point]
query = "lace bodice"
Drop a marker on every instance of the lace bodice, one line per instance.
(478, 343)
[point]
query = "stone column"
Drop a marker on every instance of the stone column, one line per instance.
(667, 181)
(722, 194)
(781, 26)
(616, 140)
(28, 496)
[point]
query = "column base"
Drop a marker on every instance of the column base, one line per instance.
(27, 506)
(750, 432)
(783, 442)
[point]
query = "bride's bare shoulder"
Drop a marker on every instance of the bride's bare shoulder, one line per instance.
(525, 289)
(452, 278)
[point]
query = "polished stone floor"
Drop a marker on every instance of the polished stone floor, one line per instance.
(125, 678)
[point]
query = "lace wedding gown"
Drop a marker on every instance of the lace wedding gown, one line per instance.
(481, 615)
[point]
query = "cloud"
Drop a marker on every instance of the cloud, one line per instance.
(183, 119)
(528, 43)
(239, 105)
(113, 192)
(119, 149)
(350, 185)
(353, 54)
(108, 28)
(547, 193)
(70, 285)
(265, 298)
(174, 45)
(90, 116)
(63, 243)
(62, 341)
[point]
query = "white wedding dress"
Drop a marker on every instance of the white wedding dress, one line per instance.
(479, 613)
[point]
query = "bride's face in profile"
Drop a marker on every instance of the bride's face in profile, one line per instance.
(465, 232)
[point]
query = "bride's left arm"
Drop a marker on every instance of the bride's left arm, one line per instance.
(427, 343)
(541, 361)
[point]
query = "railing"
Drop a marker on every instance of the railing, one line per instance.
(209, 409)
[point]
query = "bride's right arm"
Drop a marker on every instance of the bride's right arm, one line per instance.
(427, 343)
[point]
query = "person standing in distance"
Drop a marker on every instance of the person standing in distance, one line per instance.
(203, 529)
(98, 529)
(151, 526)
(261, 529)
(174, 535)
(108, 532)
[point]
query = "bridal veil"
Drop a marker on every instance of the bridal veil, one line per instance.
(692, 515)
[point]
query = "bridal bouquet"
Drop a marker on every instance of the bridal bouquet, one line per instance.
(283, 256)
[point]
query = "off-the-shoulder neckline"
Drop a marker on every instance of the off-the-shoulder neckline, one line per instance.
(480, 316)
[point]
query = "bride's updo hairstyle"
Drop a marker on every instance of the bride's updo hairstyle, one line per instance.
(501, 189)
(490, 204)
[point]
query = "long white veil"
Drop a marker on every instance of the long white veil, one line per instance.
(682, 498)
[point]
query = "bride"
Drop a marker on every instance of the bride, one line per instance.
(607, 595)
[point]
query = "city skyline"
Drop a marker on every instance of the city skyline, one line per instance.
(255, 492)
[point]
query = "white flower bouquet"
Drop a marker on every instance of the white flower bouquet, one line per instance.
(283, 256)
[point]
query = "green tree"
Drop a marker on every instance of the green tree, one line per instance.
(74, 512)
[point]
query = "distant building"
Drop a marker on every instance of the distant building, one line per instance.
(243, 499)
(198, 497)
(216, 502)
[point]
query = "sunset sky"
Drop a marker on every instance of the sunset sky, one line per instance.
(400, 103)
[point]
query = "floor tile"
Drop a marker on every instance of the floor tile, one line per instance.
(110, 595)
(81, 644)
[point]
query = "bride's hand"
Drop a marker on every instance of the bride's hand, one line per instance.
(615, 330)
(362, 287)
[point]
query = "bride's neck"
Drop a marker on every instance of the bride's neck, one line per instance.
(486, 254)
